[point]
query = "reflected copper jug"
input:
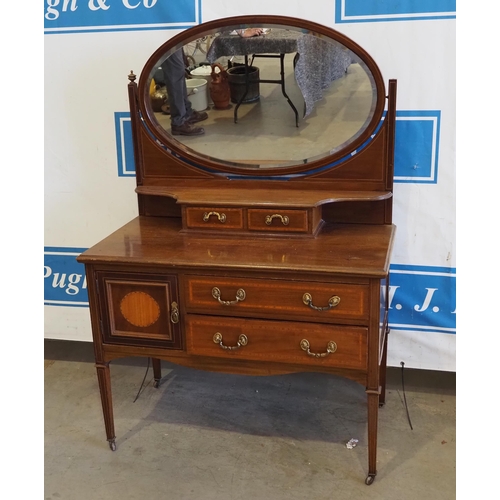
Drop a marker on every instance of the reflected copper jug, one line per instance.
(158, 96)
(219, 87)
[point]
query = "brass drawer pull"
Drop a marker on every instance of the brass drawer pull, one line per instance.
(284, 219)
(330, 349)
(242, 341)
(332, 302)
(174, 313)
(240, 296)
(221, 217)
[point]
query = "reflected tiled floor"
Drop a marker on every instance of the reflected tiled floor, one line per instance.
(266, 133)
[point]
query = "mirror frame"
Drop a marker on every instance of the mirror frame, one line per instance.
(189, 155)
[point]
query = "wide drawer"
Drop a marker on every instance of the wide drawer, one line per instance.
(307, 300)
(279, 341)
(214, 218)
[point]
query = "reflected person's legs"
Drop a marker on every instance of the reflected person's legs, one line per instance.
(182, 115)
(175, 79)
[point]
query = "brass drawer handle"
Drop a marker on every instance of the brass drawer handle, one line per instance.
(284, 219)
(332, 302)
(240, 296)
(330, 349)
(242, 341)
(174, 313)
(221, 217)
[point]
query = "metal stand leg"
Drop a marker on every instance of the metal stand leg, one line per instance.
(282, 74)
(247, 87)
(281, 82)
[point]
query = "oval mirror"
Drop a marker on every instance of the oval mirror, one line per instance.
(275, 95)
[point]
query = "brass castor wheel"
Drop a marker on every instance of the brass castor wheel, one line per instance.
(112, 444)
(156, 384)
(369, 479)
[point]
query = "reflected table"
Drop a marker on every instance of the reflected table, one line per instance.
(317, 63)
(274, 44)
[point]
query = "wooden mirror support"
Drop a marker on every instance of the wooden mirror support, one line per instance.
(251, 271)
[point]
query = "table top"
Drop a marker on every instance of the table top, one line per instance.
(276, 41)
(346, 249)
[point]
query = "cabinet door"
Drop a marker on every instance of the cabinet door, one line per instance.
(139, 309)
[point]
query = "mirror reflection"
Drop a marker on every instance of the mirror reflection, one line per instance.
(260, 97)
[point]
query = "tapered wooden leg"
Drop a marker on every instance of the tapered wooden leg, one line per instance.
(383, 371)
(104, 379)
(373, 401)
(156, 371)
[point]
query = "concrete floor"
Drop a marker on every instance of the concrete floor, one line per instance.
(204, 436)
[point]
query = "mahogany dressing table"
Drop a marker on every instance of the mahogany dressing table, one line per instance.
(258, 267)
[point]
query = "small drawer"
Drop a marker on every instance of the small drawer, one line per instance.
(302, 300)
(279, 341)
(213, 218)
(295, 221)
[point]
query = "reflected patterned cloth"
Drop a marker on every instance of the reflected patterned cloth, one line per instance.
(277, 41)
(319, 61)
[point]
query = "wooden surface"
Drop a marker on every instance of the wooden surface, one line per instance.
(151, 282)
(271, 341)
(355, 250)
(277, 298)
(137, 273)
(234, 193)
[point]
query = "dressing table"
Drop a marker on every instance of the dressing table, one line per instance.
(255, 266)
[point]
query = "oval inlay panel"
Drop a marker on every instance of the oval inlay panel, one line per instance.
(140, 309)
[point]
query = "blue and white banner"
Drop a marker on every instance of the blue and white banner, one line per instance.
(415, 157)
(416, 150)
(77, 16)
(422, 299)
(65, 283)
(124, 145)
(356, 11)
(92, 45)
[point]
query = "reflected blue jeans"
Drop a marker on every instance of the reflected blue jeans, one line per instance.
(174, 72)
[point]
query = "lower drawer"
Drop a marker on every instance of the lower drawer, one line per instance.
(279, 341)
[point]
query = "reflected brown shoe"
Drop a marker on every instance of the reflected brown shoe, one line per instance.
(187, 128)
(198, 116)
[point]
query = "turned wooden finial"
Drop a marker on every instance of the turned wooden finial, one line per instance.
(131, 76)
